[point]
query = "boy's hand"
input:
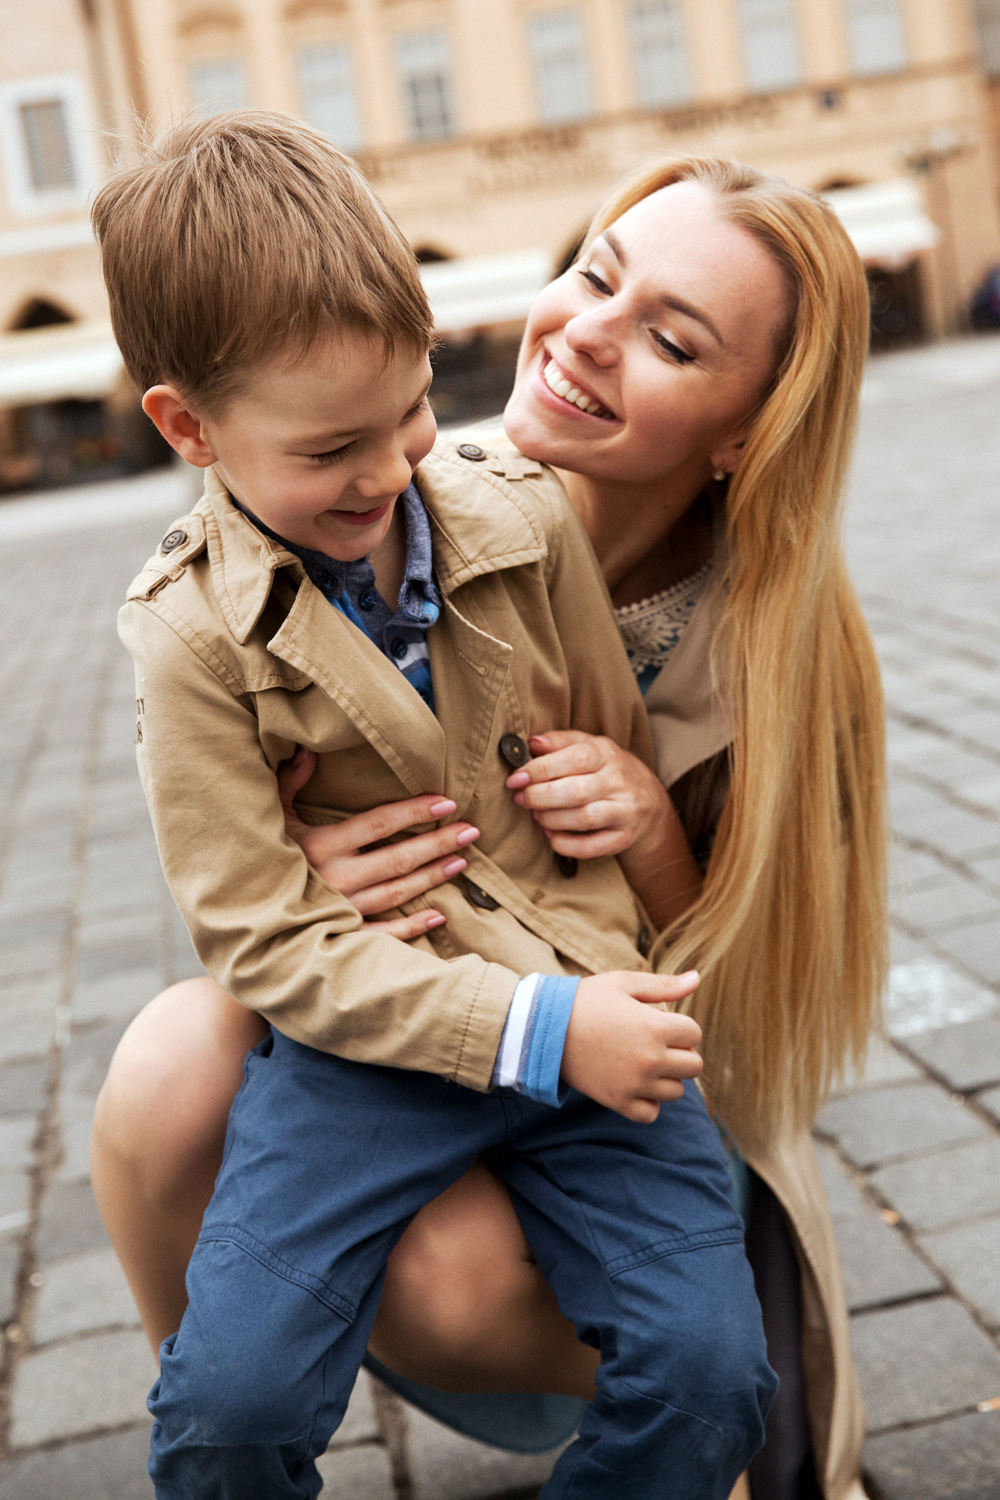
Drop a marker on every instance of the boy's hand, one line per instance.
(378, 880)
(624, 1055)
(590, 796)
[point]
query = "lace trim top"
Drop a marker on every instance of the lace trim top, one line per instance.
(651, 629)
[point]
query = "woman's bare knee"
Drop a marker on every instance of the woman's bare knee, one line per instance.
(173, 1078)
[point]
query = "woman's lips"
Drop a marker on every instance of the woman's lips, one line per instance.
(567, 394)
(363, 517)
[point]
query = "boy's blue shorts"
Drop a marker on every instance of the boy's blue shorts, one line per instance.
(326, 1162)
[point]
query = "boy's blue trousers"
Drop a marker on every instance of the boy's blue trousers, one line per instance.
(326, 1162)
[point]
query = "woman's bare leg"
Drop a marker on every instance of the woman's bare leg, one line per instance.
(465, 1307)
(159, 1129)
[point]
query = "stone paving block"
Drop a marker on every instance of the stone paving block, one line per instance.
(878, 1265)
(88, 1058)
(990, 1101)
(964, 1057)
(112, 1467)
(844, 1197)
(24, 1036)
(447, 1466)
(969, 1256)
(354, 1473)
(69, 1223)
(22, 1088)
(67, 1390)
(932, 1191)
(15, 1196)
(117, 997)
(883, 1124)
(81, 1294)
(916, 870)
(953, 830)
(883, 1064)
(927, 992)
(923, 1360)
(16, 1137)
(104, 960)
(978, 948)
(954, 1460)
(946, 907)
(10, 1260)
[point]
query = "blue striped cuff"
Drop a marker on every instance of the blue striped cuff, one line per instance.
(531, 1047)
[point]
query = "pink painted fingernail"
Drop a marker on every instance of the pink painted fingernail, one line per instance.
(455, 867)
(441, 809)
(519, 779)
(436, 921)
(467, 837)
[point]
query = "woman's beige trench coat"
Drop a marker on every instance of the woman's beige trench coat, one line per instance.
(690, 732)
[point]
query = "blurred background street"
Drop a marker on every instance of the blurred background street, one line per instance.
(88, 933)
(492, 129)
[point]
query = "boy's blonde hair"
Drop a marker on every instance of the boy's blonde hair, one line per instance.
(234, 237)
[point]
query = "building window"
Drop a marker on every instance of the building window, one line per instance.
(326, 88)
(46, 144)
(559, 50)
(771, 44)
(659, 53)
(878, 44)
(424, 64)
(45, 141)
(988, 19)
(218, 83)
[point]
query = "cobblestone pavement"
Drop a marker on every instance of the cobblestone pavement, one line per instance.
(912, 1151)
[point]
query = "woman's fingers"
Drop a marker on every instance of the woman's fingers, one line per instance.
(397, 866)
(407, 928)
(568, 791)
(389, 894)
(292, 777)
(586, 753)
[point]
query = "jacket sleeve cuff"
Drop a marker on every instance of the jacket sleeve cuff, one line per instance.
(531, 1047)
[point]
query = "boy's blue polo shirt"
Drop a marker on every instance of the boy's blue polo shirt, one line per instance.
(531, 1047)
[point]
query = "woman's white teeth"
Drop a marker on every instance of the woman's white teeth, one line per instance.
(556, 381)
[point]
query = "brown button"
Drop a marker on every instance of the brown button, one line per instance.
(567, 865)
(514, 751)
(476, 896)
(472, 452)
(173, 540)
(642, 941)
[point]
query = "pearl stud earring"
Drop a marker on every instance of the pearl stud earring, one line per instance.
(719, 475)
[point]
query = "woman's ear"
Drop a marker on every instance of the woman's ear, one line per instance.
(726, 456)
(169, 411)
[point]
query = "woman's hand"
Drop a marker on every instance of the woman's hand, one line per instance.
(590, 796)
(594, 799)
(378, 880)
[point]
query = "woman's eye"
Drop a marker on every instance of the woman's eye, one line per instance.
(334, 456)
(672, 349)
(596, 282)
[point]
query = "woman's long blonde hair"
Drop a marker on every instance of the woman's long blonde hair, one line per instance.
(790, 932)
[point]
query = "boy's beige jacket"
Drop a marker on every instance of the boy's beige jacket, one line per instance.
(239, 658)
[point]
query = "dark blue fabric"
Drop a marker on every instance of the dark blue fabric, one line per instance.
(350, 587)
(326, 1162)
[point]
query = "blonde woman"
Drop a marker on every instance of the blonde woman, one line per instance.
(694, 379)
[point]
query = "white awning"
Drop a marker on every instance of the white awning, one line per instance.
(479, 290)
(69, 360)
(886, 221)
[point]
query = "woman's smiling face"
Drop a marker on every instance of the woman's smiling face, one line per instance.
(643, 361)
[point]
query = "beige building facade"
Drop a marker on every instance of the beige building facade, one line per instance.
(491, 128)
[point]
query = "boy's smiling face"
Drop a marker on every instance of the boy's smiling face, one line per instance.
(317, 446)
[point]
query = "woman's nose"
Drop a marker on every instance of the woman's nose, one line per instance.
(593, 333)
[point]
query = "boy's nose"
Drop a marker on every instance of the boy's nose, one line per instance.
(389, 478)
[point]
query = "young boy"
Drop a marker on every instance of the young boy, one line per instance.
(412, 620)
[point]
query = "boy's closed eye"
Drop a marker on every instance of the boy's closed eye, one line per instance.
(334, 455)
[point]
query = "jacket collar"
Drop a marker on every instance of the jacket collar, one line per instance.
(477, 528)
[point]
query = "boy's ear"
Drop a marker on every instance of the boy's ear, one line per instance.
(169, 411)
